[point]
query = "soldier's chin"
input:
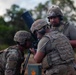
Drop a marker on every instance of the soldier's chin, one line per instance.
(55, 25)
(29, 46)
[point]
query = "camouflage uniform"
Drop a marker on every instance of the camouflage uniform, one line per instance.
(59, 56)
(12, 58)
(66, 28)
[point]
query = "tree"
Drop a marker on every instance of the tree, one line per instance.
(14, 23)
(2, 21)
(40, 10)
(14, 16)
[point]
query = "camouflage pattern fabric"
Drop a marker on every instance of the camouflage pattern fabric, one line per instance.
(21, 36)
(67, 29)
(60, 55)
(61, 70)
(38, 24)
(10, 61)
(61, 50)
(62, 45)
(54, 10)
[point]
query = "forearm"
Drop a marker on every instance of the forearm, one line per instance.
(73, 43)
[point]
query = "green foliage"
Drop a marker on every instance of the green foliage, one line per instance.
(3, 46)
(2, 20)
(40, 10)
(7, 34)
(14, 14)
(14, 23)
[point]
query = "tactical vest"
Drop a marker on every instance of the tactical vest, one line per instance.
(60, 51)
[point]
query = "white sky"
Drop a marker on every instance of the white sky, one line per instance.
(28, 4)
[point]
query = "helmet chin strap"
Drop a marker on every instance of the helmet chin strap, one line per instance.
(42, 31)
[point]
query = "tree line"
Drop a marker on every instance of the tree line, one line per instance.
(12, 21)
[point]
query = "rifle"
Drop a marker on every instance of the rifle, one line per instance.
(29, 20)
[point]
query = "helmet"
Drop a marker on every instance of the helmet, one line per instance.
(54, 11)
(38, 24)
(21, 36)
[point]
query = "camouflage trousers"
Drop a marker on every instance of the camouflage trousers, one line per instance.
(61, 70)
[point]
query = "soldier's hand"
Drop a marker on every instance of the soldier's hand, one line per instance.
(33, 51)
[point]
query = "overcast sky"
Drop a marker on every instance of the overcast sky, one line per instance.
(28, 4)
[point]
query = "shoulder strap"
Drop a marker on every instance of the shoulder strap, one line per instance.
(65, 27)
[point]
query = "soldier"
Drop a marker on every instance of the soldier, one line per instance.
(12, 57)
(54, 50)
(55, 17)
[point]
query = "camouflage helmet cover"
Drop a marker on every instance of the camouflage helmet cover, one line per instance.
(38, 24)
(21, 36)
(54, 10)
